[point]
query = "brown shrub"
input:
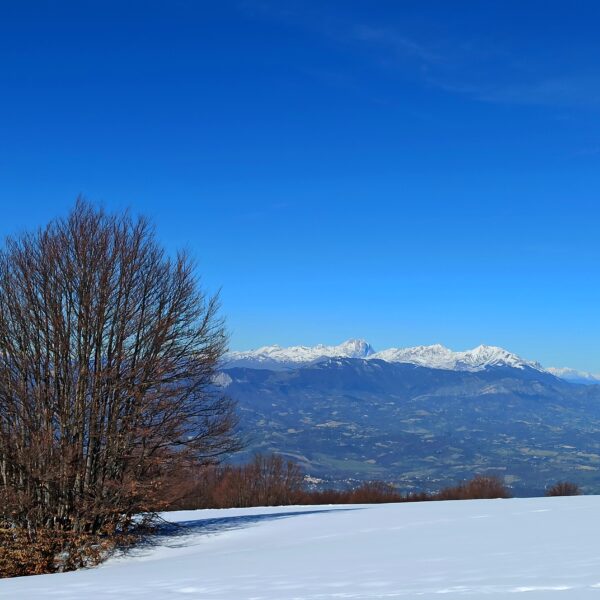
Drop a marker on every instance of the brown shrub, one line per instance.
(51, 551)
(480, 487)
(564, 488)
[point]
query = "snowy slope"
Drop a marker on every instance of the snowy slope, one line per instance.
(498, 549)
(435, 356)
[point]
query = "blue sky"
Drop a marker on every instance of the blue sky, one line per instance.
(408, 172)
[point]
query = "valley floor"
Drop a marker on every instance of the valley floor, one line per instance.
(538, 547)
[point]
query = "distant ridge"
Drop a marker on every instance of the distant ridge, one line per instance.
(269, 357)
(435, 356)
(575, 376)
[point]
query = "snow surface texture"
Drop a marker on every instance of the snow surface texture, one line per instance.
(532, 548)
(435, 356)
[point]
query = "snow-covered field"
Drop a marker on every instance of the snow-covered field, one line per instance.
(520, 548)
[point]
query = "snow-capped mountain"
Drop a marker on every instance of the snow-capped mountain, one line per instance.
(440, 357)
(276, 357)
(435, 356)
(575, 376)
(352, 413)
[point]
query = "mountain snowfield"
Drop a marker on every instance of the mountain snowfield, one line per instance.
(435, 356)
(532, 548)
(574, 375)
(440, 357)
(273, 356)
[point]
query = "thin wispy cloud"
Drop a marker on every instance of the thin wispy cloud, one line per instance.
(452, 69)
(477, 68)
(398, 44)
(390, 41)
(566, 92)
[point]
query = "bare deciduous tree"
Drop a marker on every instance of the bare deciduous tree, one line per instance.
(268, 480)
(108, 348)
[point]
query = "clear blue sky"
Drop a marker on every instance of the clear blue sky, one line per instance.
(409, 172)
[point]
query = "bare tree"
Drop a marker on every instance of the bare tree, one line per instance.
(108, 349)
(268, 480)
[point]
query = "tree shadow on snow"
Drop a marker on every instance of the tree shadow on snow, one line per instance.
(174, 535)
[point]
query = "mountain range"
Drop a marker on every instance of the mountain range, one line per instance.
(435, 356)
(421, 417)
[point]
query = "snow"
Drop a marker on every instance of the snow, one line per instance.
(499, 549)
(440, 357)
(574, 375)
(296, 355)
(435, 356)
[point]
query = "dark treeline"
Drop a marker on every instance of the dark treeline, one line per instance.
(270, 480)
